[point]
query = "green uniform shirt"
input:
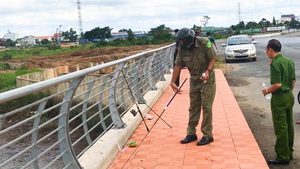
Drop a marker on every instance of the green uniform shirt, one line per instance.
(197, 59)
(282, 70)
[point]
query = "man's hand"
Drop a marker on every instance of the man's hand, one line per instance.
(175, 88)
(265, 91)
(205, 75)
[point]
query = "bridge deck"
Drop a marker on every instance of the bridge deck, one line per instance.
(234, 145)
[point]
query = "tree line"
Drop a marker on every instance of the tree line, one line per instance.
(263, 23)
(160, 34)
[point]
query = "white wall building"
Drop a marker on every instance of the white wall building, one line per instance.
(288, 17)
(28, 41)
(11, 36)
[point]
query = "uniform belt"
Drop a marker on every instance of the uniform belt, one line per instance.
(281, 92)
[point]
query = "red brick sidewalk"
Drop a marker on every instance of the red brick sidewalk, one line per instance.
(234, 145)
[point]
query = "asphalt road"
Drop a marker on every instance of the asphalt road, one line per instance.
(245, 79)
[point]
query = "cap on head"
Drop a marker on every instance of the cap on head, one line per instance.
(197, 29)
(187, 36)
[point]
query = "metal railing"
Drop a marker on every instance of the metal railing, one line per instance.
(42, 127)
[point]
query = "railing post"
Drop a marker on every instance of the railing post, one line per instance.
(112, 98)
(69, 157)
(169, 59)
(100, 105)
(150, 72)
(84, 115)
(34, 136)
(162, 66)
(136, 88)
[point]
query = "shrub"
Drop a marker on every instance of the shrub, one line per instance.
(53, 46)
(4, 66)
(6, 56)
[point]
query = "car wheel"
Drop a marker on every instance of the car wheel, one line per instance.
(227, 61)
(298, 97)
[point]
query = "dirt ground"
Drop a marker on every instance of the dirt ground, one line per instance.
(83, 58)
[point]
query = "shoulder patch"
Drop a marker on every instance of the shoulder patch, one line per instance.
(208, 44)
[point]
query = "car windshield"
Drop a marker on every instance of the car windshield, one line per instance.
(238, 41)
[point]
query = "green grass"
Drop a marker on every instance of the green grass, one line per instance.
(8, 80)
(22, 53)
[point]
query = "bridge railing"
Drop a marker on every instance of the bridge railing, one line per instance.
(51, 124)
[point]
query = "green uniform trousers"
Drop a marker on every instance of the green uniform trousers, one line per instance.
(201, 95)
(282, 114)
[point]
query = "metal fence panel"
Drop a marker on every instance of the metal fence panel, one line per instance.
(50, 124)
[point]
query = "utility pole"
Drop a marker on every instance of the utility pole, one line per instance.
(79, 17)
(239, 12)
(58, 34)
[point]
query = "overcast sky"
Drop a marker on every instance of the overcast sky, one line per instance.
(43, 17)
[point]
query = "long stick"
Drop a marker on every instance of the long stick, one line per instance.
(154, 123)
(168, 103)
(136, 103)
(145, 103)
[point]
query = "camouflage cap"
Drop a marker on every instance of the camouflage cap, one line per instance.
(197, 29)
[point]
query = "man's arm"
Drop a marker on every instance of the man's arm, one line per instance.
(208, 69)
(293, 84)
(175, 74)
(272, 88)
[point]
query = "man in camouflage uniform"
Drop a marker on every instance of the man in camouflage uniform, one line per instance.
(199, 57)
(197, 31)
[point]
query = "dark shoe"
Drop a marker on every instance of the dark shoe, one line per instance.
(205, 140)
(276, 162)
(188, 139)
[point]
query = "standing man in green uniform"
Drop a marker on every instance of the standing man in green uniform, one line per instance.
(199, 57)
(212, 40)
(282, 79)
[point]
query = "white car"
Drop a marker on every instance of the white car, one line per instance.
(240, 47)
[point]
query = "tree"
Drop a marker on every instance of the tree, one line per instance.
(70, 35)
(264, 22)
(123, 30)
(274, 21)
(241, 25)
(161, 33)
(131, 36)
(98, 33)
(2, 43)
(205, 20)
(10, 43)
(45, 42)
(286, 22)
(252, 25)
(294, 24)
